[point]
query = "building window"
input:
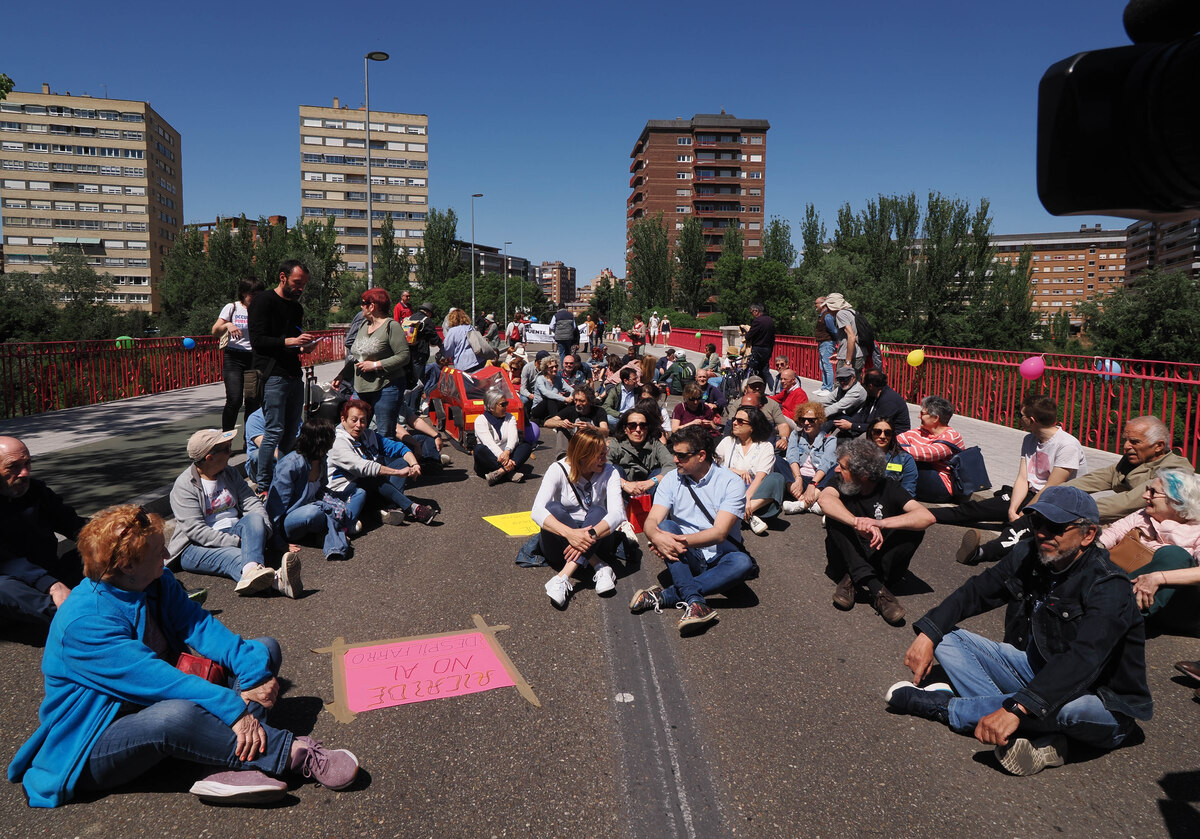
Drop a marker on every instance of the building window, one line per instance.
(756, 141)
(683, 209)
(683, 176)
(683, 141)
(683, 158)
(755, 176)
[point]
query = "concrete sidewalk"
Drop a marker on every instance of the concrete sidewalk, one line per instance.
(126, 451)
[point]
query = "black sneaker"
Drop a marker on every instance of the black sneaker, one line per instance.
(422, 513)
(968, 552)
(907, 698)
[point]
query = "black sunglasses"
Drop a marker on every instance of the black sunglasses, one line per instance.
(683, 456)
(1041, 524)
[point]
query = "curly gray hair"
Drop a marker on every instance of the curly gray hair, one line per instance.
(864, 459)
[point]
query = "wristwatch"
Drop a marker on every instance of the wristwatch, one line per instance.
(592, 532)
(1014, 707)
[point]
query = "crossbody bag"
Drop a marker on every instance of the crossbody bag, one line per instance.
(737, 543)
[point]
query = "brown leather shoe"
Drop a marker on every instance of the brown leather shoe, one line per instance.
(843, 595)
(1191, 669)
(889, 608)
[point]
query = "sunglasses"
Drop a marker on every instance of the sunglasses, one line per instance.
(882, 432)
(683, 457)
(637, 426)
(807, 420)
(740, 421)
(1041, 524)
(1155, 493)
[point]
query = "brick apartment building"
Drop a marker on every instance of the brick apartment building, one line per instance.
(333, 175)
(1068, 268)
(104, 176)
(557, 281)
(1169, 247)
(713, 166)
(235, 226)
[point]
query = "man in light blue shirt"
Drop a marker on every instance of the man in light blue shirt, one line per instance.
(695, 526)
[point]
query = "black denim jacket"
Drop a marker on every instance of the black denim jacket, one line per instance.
(1088, 628)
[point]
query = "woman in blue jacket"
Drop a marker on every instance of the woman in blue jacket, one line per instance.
(116, 703)
(299, 503)
(900, 464)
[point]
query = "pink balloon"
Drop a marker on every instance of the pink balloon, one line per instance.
(1033, 367)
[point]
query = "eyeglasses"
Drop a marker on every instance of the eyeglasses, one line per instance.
(1154, 492)
(740, 421)
(682, 457)
(1041, 524)
(637, 426)
(807, 420)
(882, 432)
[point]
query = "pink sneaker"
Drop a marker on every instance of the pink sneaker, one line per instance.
(332, 768)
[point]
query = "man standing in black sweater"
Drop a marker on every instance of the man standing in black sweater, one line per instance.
(278, 340)
(759, 336)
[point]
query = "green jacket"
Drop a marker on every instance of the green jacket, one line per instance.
(1127, 482)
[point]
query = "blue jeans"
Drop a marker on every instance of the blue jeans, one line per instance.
(564, 349)
(135, 743)
(486, 462)
(693, 578)
(424, 447)
(985, 673)
(283, 402)
(390, 487)
(311, 518)
(229, 562)
(386, 404)
(824, 351)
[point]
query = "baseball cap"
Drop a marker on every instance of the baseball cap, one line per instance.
(1062, 505)
(205, 440)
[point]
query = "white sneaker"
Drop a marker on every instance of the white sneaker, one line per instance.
(517, 477)
(445, 459)
(287, 578)
(791, 508)
(557, 589)
(815, 509)
(605, 579)
(626, 530)
(758, 526)
(255, 578)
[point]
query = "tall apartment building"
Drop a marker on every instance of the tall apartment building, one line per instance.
(1168, 247)
(1068, 268)
(713, 166)
(557, 282)
(333, 175)
(490, 259)
(101, 175)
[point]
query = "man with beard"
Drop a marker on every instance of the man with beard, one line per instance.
(1072, 664)
(278, 340)
(859, 507)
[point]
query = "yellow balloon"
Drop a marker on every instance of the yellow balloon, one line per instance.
(916, 358)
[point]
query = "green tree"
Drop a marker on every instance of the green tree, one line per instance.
(691, 288)
(438, 259)
(6, 85)
(273, 247)
(315, 245)
(603, 298)
(650, 268)
(84, 313)
(1003, 317)
(777, 242)
(1157, 317)
(391, 261)
(768, 282)
(732, 297)
(191, 294)
(27, 308)
(814, 237)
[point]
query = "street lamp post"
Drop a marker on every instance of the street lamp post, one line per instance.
(374, 55)
(474, 195)
(506, 244)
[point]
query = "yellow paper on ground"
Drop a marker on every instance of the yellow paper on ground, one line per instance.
(514, 524)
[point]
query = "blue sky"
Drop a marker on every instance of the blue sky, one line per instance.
(537, 105)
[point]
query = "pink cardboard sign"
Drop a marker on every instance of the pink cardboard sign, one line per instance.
(398, 673)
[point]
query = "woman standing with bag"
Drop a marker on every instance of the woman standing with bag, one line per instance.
(381, 350)
(237, 368)
(579, 508)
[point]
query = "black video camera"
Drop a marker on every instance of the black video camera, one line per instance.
(1119, 128)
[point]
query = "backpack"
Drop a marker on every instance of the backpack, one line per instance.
(684, 371)
(564, 328)
(866, 339)
(514, 334)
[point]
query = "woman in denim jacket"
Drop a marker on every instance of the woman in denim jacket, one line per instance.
(811, 455)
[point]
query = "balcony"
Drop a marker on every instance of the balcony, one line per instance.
(636, 180)
(718, 176)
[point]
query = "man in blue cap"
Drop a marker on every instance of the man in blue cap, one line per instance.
(1072, 664)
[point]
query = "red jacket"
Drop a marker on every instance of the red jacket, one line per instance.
(791, 400)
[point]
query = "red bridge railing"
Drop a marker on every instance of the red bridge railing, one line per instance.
(1096, 396)
(38, 377)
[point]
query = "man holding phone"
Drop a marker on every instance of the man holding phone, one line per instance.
(278, 340)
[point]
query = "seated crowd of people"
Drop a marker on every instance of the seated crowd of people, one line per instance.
(690, 477)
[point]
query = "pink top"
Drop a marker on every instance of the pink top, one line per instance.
(1155, 534)
(925, 447)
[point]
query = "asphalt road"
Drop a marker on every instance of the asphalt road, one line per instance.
(769, 724)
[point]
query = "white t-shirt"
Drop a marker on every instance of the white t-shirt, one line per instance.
(220, 507)
(239, 316)
(1060, 451)
(760, 457)
(654, 325)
